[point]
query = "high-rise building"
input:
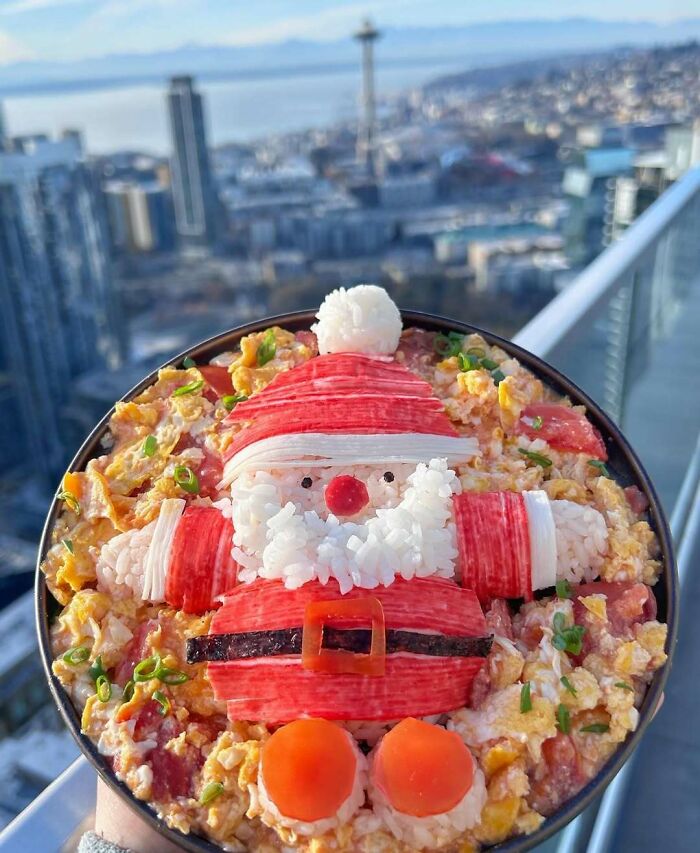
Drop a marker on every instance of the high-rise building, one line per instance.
(3, 131)
(367, 35)
(588, 185)
(193, 189)
(139, 215)
(58, 309)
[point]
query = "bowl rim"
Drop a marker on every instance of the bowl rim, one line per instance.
(300, 320)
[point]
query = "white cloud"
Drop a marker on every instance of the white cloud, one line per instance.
(324, 25)
(20, 6)
(12, 50)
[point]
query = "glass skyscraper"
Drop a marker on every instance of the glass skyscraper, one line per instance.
(58, 310)
(193, 190)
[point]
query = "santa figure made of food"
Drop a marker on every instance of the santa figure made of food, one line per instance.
(349, 569)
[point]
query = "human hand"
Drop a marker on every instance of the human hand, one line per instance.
(119, 824)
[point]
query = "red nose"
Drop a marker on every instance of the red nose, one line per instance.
(346, 495)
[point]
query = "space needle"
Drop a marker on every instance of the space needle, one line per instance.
(367, 35)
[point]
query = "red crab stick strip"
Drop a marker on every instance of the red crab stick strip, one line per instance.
(430, 604)
(494, 544)
(562, 428)
(347, 385)
(345, 365)
(342, 403)
(324, 449)
(281, 689)
(201, 567)
(376, 416)
(422, 769)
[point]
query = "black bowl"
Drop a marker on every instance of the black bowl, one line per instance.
(622, 459)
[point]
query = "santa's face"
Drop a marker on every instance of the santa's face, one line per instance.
(362, 525)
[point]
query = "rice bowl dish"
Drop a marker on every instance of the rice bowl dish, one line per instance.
(354, 548)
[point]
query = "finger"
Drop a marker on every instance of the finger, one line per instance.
(117, 822)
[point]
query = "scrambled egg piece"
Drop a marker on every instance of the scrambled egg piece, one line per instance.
(248, 377)
(70, 565)
(515, 392)
(499, 717)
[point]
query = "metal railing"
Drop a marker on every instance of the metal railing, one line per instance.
(604, 331)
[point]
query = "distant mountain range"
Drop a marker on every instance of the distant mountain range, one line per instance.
(485, 43)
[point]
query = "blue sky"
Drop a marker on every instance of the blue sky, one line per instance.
(70, 29)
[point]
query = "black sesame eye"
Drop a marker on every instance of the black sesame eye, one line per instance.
(306, 483)
(389, 477)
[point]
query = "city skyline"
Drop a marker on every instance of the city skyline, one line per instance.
(73, 29)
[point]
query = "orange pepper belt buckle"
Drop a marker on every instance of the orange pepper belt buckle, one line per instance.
(314, 657)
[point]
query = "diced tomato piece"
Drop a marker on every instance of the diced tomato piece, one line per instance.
(563, 774)
(309, 339)
(481, 687)
(498, 619)
(562, 428)
(209, 474)
(149, 722)
(134, 652)
(217, 378)
(626, 604)
(637, 500)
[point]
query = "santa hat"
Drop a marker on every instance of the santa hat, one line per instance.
(340, 409)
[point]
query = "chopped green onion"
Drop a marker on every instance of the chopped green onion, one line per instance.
(623, 685)
(128, 692)
(171, 676)
(478, 352)
(147, 669)
(567, 639)
(150, 446)
(96, 671)
(563, 719)
(186, 479)
(188, 362)
(563, 589)
(601, 466)
(190, 388)
(596, 728)
(525, 698)
(70, 500)
(498, 376)
(467, 362)
(163, 701)
(544, 461)
(76, 655)
(448, 345)
(210, 793)
(489, 364)
(537, 422)
(230, 400)
(68, 545)
(103, 688)
(568, 685)
(267, 348)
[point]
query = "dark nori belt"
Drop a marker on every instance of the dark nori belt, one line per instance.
(287, 641)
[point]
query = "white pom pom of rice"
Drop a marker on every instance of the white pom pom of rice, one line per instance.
(363, 319)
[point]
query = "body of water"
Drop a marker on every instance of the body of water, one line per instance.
(134, 117)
